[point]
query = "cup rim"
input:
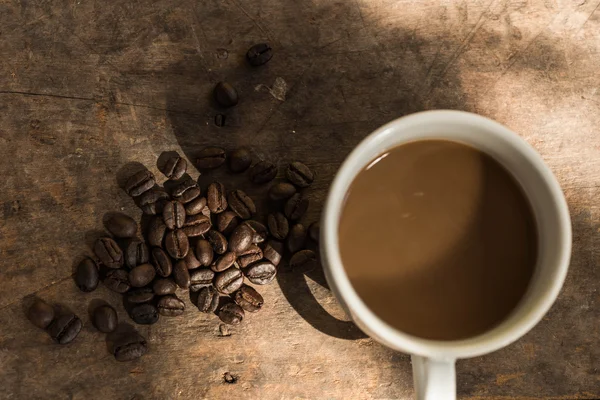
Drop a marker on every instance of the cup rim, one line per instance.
(489, 341)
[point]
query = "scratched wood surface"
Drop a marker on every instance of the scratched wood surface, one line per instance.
(89, 90)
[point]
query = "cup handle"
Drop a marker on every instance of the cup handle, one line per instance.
(434, 379)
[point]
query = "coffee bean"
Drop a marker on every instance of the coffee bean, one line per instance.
(225, 94)
(239, 160)
(129, 346)
(299, 174)
(273, 251)
(164, 286)
(174, 168)
(304, 260)
(141, 275)
(241, 204)
(153, 201)
(223, 262)
(296, 239)
(161, 262)
(278, 225)
(259, 54)
(200, 278)
(260, 231)
(65, 328)
(156, 232)
(204, 252)
(240, 238)
(261, 272)
(216, 197)
(210, 158)
(121, 225)
(186, 191)
(195, 206)
(181, 275)
(117, 280)
(177, 244)
(281, 191)
(217, 241)
(87, 276)
(231, 314)
(295, 207)
(191, 262)
(208, 299)
(140, 295)
(109, 252)
(229, 281)
(170, 306)
(139, 183)
(263, 172)
(314, 231)
(40, 314)
(226, 222)
(220, 120)
(174, 215)
(248, 298)
(144, 314)
(136, 253)
(252, 254)
(196, 225)
(105, 319)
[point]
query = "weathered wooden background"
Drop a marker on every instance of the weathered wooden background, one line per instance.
(90, 88)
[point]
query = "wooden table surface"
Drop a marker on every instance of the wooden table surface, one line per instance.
(89, 90)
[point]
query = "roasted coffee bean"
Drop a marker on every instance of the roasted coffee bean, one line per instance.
(65, 328)
(117, 280)
(186, 191)
(248, 298)
(87, 275)
(40, 314)
(140, 295)
(261, 272)
(216, 198)
(196, 225)
(141, 275)
(191, 262)
(239, 160)
(204, 252)
(210, 158)
(252, 254)
(229, 281)
(156, 232)
(241, 204)
(217, 241)
(278, 225)
(227, 221)
(153, 201)
(161, 262)
(174, 168)
(273, 251)
(177, 244)
(174, 215)
(240, 238)
(164, 286)
(136, 253)
(208, 299)
(225, 95)
(121, 225)
(314, 231)
(295, 207)
(263, 172)
(296, 239)
(181, 275)
(195, 206)
(105, 319)
(109, 252)
(129, 346)
(140, 183)
(170, 306)
(260, 231)
(144, 314)
(299, 174)
(281, 191)
(223, 262)
(259, 54)
(231, 314)
(220, 120)
(200, 278)
(304, 260)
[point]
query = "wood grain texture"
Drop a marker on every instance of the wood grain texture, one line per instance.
(90, 90)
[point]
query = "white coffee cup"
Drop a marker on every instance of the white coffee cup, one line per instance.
(433, 361)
